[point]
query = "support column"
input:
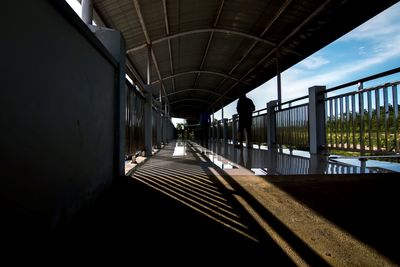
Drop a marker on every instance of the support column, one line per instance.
(213, 125)
(148, 115)
(165, 123)
(224, 126)
(271, 124)
(316, 116)
(158, 125)
(278, 80)
(87, 11)
(235, 129)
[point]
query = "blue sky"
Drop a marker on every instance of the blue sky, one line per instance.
(371, 48)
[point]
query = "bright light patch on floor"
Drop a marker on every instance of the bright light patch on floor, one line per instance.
(179, 151)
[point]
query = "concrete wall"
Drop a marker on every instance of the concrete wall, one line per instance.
(57, 116)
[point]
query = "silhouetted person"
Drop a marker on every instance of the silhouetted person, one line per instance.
(245, 108)
(204, 125)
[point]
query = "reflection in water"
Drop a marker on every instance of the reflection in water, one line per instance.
(180, 149)
(222, 163)
(285, 161)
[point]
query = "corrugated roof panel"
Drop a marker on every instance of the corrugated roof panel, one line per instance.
(190, 15)
(185, 81)
(226, 51)
(122, 16)
(208, 81)
(153, 15)
(188, 51)
(253, 57)
(242, 15)
(163, 60)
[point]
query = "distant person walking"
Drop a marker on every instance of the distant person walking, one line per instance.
(205, 122)
(245, 108)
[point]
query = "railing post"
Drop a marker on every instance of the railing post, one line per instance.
(148, 115)
(87, 11)
(271, 123)
(316, 115)
(224, 130)
(234, 129)
(158, 124)
(218, 134)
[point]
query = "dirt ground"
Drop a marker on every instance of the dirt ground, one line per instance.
(347, 220)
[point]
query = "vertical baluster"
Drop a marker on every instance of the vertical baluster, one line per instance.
(330, 124)
(386, 107)
(283, 114)
(280, 128)
(378, 116)
(341, 121)
(283, 129)
(298, 110)
(370, 146)
(289, 128)
(326, 103)
(347, 123)
(395, 117)
(336, 122)
(306, 123)
(302, 127)
(353, 124)
(361, 109)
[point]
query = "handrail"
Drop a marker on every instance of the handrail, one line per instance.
(364, 90)
(372, 77)
(291, 101)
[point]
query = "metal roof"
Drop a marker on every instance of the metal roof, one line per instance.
(206, 52)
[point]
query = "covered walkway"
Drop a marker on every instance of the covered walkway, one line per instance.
(71, 118)
(179, 204)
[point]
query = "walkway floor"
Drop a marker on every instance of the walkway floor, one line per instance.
(181, 208)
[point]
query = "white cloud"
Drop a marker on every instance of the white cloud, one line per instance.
(379, 27)
(296, 84)
(314, 62)
(361, 50)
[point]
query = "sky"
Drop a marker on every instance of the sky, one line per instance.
(371, 48)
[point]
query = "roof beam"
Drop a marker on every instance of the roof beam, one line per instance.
(209, 41)
(201, 71)
(190, 99)
(196, 90)
(273, 51)
(191, 106)
(169, 42)
(148, 43)
(280, 11)
(214, 30)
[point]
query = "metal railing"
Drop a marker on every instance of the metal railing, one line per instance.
(259, 127)
(365, 120)
(292, 129)
(134, 124)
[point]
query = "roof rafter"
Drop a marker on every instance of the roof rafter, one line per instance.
(209, 41)
(148, 42)
(280, 11)
(197, 90)
(199, 71)
(273, 51)
(225, 31)
(190, 99)
(169, 42)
